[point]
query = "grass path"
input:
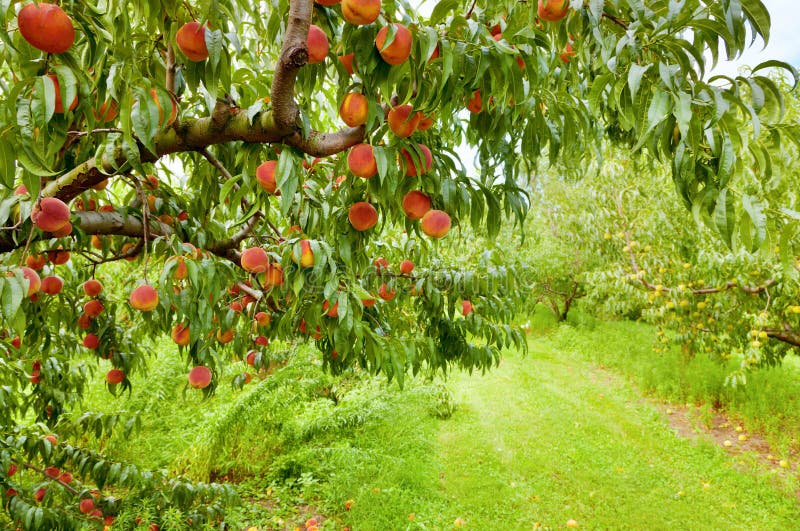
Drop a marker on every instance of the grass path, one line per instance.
(548, 438)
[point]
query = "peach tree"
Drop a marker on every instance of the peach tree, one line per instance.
(231, 174)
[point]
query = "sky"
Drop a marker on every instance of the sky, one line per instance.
(784, 42)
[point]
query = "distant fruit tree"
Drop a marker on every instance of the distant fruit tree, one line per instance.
(232, 174)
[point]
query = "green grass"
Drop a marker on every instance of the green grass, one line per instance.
(543, 438)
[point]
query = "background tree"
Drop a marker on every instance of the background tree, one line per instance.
(202, 142)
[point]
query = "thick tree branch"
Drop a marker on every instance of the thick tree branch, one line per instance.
(294, 55)
(787, 335)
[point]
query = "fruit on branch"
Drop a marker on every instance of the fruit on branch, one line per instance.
(265, 175)
(93, 308)
(250, 359)
(425, 122)
(180, 334)
(108, 111)
(262, 318)
(273, 276)
(435, 54)
(385, 294)
(96, 242)
(114, 376)
(317, 45)
(127, 248)
(161, 118)
(347, 61)
(46, 27)
(398, 50)
(254, 260)
(52, 285)
(416, 204)
(552, 10)
(330, 311)
(261, 341)
(39, 494)
(466, 307)
(306, 254)
(327, 3)
(181, 270)
(191, 40)
(200, 377)
(403, 121)
(92, 287)
(435, 223)
(86, 505)
(150, 182)
(226, 336)
(12, 469)
(34, 282)
(66, 230)
(91, 341)
(369, 303)
(380, 264)
(475, 104)
(568, 53)
(58, 108)
(144, 298)
(361, 161)
(52, 439)
(406, 267)
(50, 214)
(361, 12)
(362, 216)
(65, 477)
(36, 261)
(354, 109)
(425, 164)
(52, 472)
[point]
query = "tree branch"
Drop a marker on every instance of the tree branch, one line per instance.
(294, 55)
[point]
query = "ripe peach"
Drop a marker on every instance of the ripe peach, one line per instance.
(59, 104)
(248, 378)
(162, 120)
(58, 257)
(180, 334)
(86, 505)
(265, 175)
(425, 122)
(65, 477)
(361, 161)
(52, 439)
(466, 308)
(254, 260)
(306, 254)
(36, 261)
(368, 303)
(66, 230)
(317, 45)
(93, 308)
(435, 223)
(84, 322)
(250, 359)
(354, 109)
(114, 376)
(348, 60)
(262, 341)
(435, 54)
(399, 49)
(552, 10)
(403, 121)
(50, 214)
(568, 53)
(92, 287)
(144, 298)
(410, 161)
(273, 276)
(331, 311)
(475, 104)
(97, 243)
(263, 318)
(12, 469)
(385, 294)
(39, 494)
(52, 471)
(127, 248)
(102, 185)
(52, 285)
(226, 336)
(34, 282)
(416, 204)
(406, 266)
(380, 264)
(191, 40)
(181, 270)
(200, 377)
(362, 216)
(21, 190)
(361, 12)
(107, 112)
(236, 307)
(46, 27)
(150, 182)
(91, 341)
